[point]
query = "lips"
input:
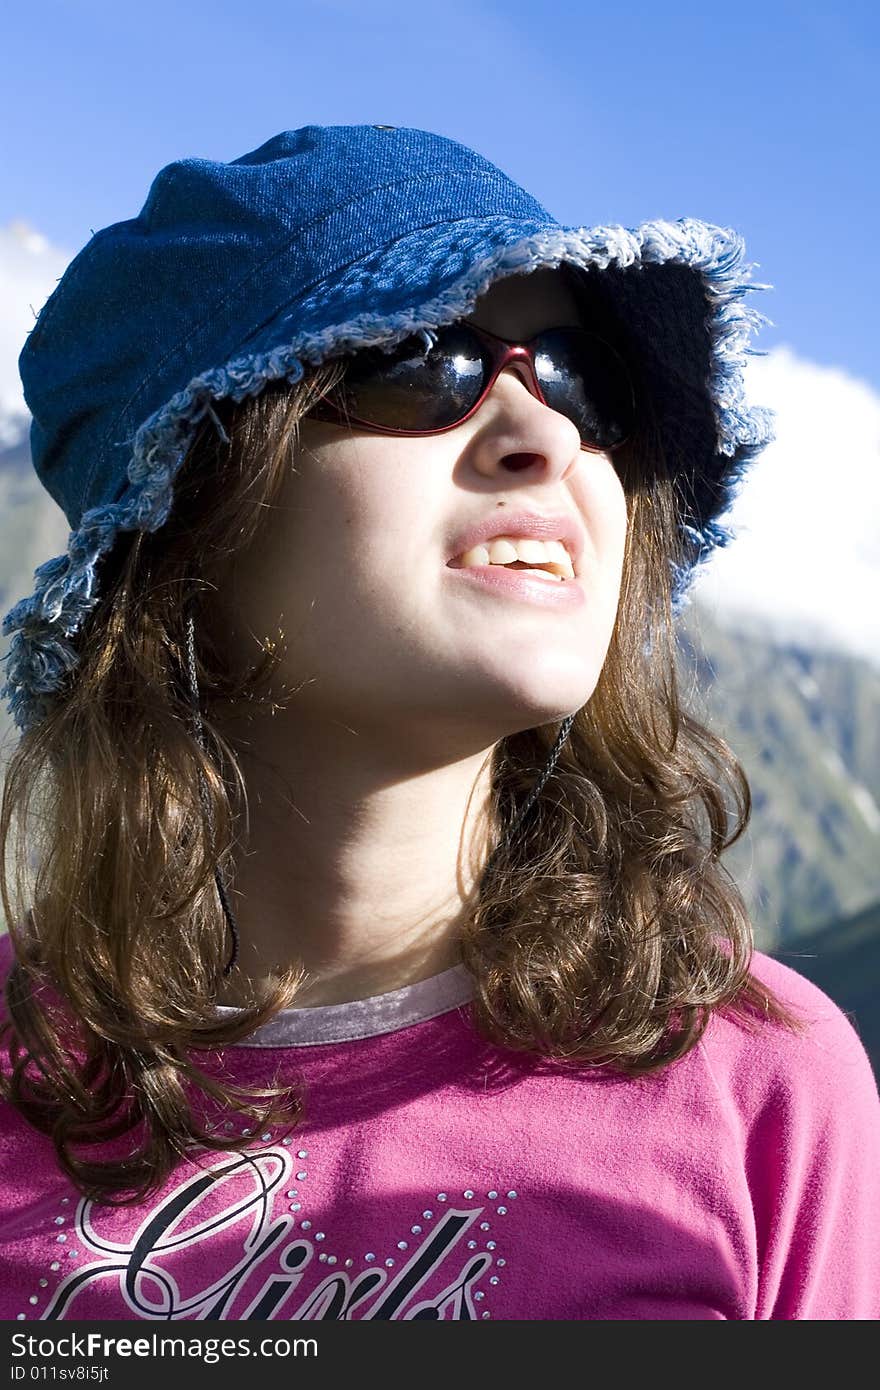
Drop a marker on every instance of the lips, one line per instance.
(521, 585)
(540, 526)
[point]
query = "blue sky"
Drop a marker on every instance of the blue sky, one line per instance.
(762, 116)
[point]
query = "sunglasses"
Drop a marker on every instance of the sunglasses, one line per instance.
(437, 378)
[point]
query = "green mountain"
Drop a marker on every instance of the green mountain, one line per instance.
(804, 723)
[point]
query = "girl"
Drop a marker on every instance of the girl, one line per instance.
(379, 961)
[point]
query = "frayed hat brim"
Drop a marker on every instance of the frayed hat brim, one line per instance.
(676, 287)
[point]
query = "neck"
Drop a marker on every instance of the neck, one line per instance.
(360, 860)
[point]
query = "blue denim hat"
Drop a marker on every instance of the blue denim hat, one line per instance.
(325, 240)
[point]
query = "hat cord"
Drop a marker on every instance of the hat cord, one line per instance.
(553, 758)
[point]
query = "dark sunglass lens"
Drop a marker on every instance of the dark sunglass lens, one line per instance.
(424, 383)
(584, 378)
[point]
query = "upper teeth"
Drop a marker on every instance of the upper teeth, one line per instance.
(504, 550)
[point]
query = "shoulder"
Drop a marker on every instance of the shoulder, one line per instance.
(821, 1069)
(828, 1033)
(802, 1115)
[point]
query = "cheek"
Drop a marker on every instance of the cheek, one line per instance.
(602, 505)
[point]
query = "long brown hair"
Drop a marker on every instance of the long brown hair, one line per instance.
(606, 934)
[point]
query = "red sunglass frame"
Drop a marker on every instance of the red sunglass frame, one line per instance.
(502, 352)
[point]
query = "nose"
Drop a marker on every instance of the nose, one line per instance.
(516, 431)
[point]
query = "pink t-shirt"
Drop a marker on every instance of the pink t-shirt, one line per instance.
(436, 1176)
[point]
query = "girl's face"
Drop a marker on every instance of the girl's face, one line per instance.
(382, 633)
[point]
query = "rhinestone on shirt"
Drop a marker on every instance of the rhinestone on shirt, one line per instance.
(306, 1225)
(301, 1176)
(302, 1153)
(491, 1196)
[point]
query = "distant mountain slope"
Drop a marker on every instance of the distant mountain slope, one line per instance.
(843, 959)
(806, 726)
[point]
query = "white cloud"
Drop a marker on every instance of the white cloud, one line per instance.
(806, 558)
(30, 267)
